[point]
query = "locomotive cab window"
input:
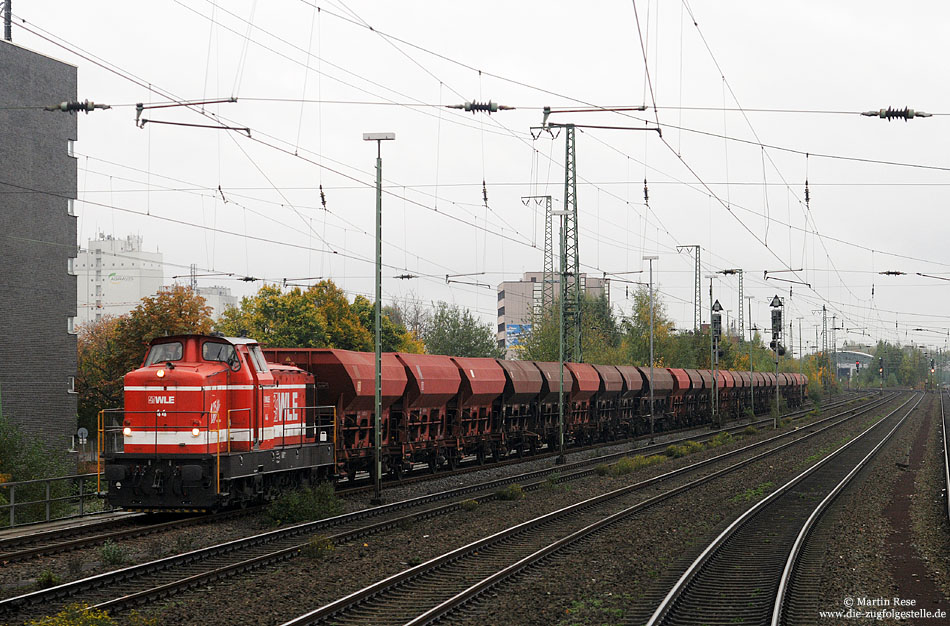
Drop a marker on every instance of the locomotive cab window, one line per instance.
(224, 352)
(257, 357)
(164, 352)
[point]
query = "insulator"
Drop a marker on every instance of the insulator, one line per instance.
(323, 198)
(646, 192)
(905, 114)
(807, 192)
(484, 192)
(482, 107)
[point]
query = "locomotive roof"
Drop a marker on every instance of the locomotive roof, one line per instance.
(237, 341)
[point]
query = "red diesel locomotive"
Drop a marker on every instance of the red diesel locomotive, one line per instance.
(209, 423)
(212, 421)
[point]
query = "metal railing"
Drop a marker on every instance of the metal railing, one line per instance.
(48, 499)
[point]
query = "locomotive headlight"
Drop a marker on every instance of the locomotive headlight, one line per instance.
(195, 432)
(127, 431)
(160, 373)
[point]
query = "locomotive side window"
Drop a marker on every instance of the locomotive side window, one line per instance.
(212, 351)
(257, 357)
(163, 352)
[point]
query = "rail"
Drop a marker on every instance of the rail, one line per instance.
(946, 454)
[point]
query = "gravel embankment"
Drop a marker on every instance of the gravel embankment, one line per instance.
(276, 594)
(20, 577)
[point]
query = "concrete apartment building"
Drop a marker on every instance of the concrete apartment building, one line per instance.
(37, 246)
(114, 275)
(519, 300)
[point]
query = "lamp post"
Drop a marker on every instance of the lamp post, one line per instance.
(562, 213)
(379, 138)
(751, 369)
(651, 258)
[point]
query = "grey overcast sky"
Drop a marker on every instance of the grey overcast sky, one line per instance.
(743, 91)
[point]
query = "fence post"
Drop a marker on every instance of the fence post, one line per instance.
(12, 506)
(47, 500)
(82, 497)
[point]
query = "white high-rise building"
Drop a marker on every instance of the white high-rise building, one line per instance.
(218, 298)
(113, 275)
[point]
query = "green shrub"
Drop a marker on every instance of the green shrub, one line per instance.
(318, 547)
(113, 554)
(469, 505)
(602, 470)
(305, 505)
(720, 439)
(76, 615)
(748, 431)
(46, 579)
(630, 464)
(510, 492)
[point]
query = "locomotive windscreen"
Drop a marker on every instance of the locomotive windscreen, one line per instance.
(162, 352)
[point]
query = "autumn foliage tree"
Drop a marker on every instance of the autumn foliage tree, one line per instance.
(320, 316)
(112, 346)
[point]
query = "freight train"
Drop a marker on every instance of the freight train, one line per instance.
(211, 422)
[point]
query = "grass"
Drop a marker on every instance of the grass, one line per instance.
(305, 505)
(749, 431)
(753, 493)
(113, 554)
(469, 505)
(720, 439)
(510, 492)
(318, 548)
(630, 464)
(46, 579)
(682, 449)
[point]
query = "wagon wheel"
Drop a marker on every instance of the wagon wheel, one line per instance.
(480, 455)
(453, 460)
(433, 463)
(496, 453)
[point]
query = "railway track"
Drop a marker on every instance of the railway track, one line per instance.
(946, 451)
(759, 549)
(57, 541)
(161, 578)
(428, 592)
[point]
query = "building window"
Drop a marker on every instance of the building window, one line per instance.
(501, 294)
(70, 384)
(70, 206)
(71, 266)
(70, 148)
(501, 312)
(501, 327)
(71, 325)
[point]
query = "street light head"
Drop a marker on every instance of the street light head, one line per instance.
(379, 136)
(650, 257)
(560, 212)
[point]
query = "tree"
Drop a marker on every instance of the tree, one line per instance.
(601, 337)
(178, 310)
(113, 346)
(319, 317)
(393, 337)
(454, 331)
(277, 319)
(99, 372)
